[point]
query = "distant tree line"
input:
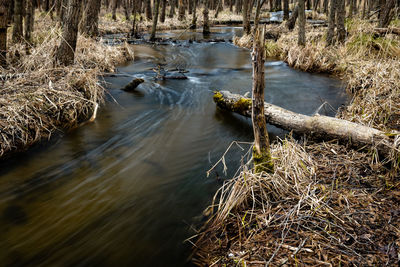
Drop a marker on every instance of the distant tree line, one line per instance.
(83, 16)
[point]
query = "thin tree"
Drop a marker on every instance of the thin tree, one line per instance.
(331, 23)
(114, 5)
(163, 10)
(194, 16)
(148, 9)
(65, 53)
(302, 23)
(292, 20)
(4, 9)
(261, 151)
(285, 9)
(181, 11)
(90, 20)
(18, 32)
(246, 22)
(29, 19)
(340, 20)
(156, 7)
(387, 13)
(206, 23)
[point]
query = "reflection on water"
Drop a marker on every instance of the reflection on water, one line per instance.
(124, 190)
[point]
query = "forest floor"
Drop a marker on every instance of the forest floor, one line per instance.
(39, 98)
(326, 204)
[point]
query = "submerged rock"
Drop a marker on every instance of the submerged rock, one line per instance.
(133, 84)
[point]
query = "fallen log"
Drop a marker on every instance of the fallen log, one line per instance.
(316, 126)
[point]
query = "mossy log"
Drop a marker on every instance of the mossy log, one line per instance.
(317, 126)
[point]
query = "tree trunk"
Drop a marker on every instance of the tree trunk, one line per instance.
(340, 19)
(66, 51)
(387, 13)
(18, 32)
(29, 19)
(316, 126)
(246, 22)
(261, 151)
(155, 19)
(163, 9)
(194, 16)
(206, 23)
(4, 9)
(172, 9)
(257, 16)
(181, 11)
(325, 7)
(90, 20)
(148, 9)
(285, 9)
(331, 23)
(114, 9)
(292, 20)
(302, 23)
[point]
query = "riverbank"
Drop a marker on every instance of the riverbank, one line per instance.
(39, 98)
(325, 203)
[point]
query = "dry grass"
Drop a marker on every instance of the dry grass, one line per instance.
(39, 98)
(324, 205)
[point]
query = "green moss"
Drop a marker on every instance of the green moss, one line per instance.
(218, 97)
(263, 162)
(242, 104)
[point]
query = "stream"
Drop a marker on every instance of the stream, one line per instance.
(127, 189)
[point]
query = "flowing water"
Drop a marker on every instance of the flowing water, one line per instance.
(125, 190)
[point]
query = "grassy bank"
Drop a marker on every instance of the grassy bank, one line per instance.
(38, 98)
(325, 204)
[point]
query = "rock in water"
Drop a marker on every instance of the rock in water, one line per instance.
(133, 84)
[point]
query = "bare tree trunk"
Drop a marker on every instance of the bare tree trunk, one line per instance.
(155, 19)
(387, 13)
(181, 11)
(66, 51)
(302, 23)
(90, 20)
(206, 23)
(18, 33)
(285, 9)
(148, 9)
(172, 9)
(257, 16)
(163, 9)
(29, 19)
(246, 22)
(261, 150)
(114, 9)
(340, 19)
(194, 16)
(331, 23)
(4, 9)
(219, 8)
(292, 20)
(325, 7)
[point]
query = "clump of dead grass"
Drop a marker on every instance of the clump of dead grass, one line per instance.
(323, 205)
(38, 97)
